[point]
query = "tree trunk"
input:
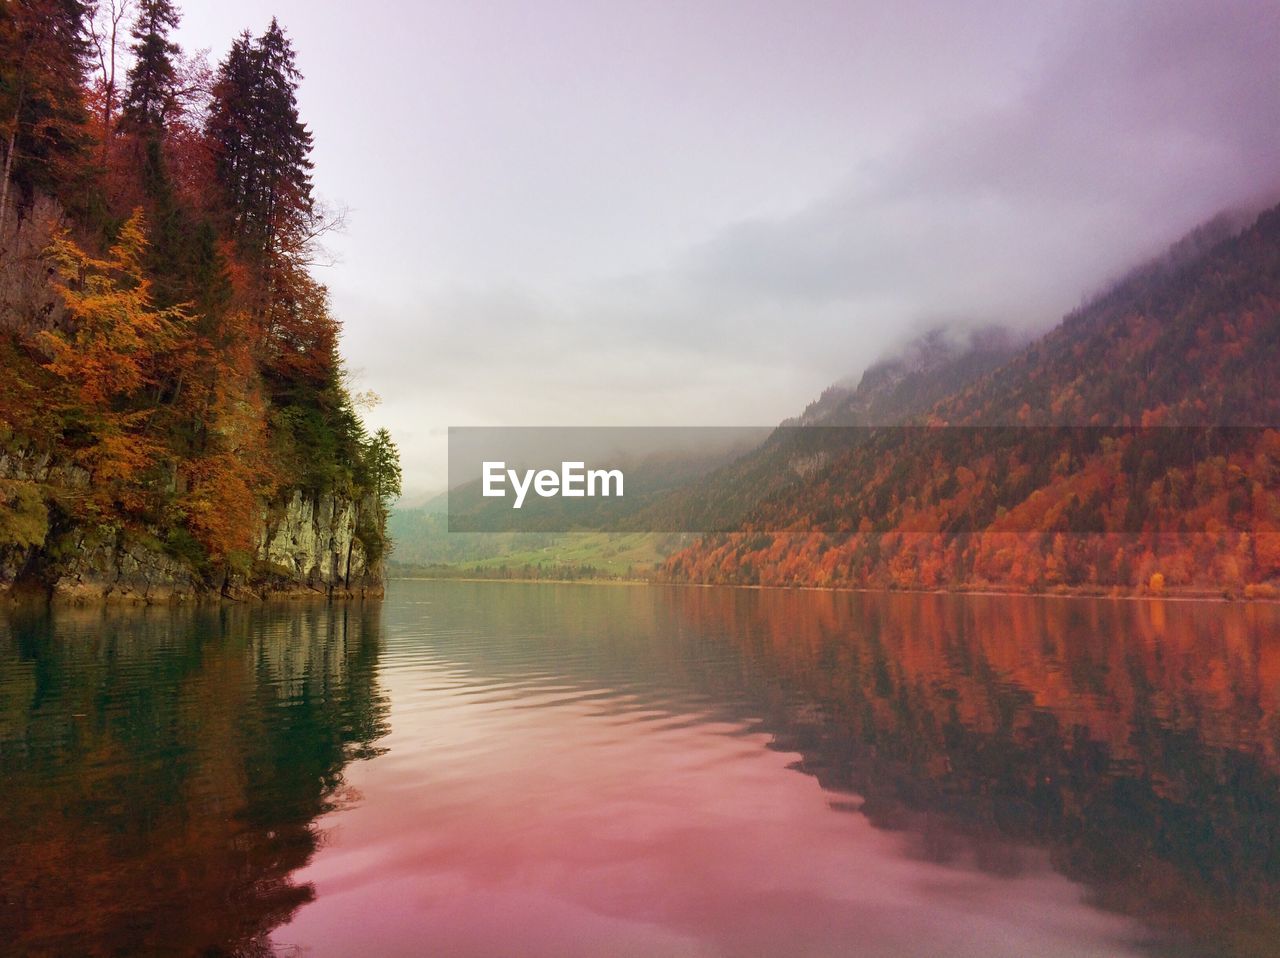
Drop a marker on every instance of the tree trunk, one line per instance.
(8, 166)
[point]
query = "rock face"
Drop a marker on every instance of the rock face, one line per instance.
(117, 567)
(317, 546)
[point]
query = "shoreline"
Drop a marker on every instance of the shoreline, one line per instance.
(990, 593)
(29, 599)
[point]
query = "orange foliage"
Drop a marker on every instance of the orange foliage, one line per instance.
(108, 356)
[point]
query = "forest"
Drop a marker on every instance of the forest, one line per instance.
(167, 354)
(1133, 448)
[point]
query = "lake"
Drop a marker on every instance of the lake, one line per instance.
(493, 769)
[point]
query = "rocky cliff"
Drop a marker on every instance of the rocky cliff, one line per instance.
(318, 544)
(324, 545)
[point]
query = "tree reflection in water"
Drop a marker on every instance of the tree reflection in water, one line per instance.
(163, 770)
(1139, 740)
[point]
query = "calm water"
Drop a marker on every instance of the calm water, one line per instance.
(492, 769)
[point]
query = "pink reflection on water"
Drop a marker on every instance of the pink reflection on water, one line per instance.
(510, 821)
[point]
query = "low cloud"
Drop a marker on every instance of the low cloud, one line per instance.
(1132, 123)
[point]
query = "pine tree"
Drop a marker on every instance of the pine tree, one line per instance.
(43, 58)
(181, 244)
(285, 202)
(383, 463)
(263, 148)
(230, 124)
(152, 80)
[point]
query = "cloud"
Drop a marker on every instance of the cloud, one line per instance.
(1144, 120)
(1124, 125)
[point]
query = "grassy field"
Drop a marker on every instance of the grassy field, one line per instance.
(575, 554)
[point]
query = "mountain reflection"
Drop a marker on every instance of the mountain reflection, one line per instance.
(1139, 740)
(596, 762)
(1136, 742)
(163, 770)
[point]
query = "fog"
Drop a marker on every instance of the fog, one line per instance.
(639, 213)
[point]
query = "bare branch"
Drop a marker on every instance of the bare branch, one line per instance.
(306, 248)
(104, 33)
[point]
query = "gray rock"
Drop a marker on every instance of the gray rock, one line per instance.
(306, 546)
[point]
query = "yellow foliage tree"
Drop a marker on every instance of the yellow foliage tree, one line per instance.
(108, 354)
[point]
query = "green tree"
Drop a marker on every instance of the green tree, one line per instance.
(263, 150)
(231, 128)
(152, 80)
(382, 461)
(43, 57)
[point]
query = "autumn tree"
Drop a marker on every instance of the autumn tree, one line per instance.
(231, 473)
(110, 354)
(105, 23)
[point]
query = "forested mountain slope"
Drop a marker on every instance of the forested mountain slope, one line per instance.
(1128, 449)
(890, 391)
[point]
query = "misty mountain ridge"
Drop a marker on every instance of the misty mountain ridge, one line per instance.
(911, 379)
(926, 379)
(1190, 340)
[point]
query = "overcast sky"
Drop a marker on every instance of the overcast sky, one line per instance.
(607, 212)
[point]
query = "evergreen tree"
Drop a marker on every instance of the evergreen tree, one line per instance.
(152, 80)
(182, 247)
(263, 148)
(43, 57)
(383, 463)
(230, 124)
(285, 201)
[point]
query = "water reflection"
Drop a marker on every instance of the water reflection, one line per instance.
(614, 770)
(163, 770)
(1138, 741)
(586, 770)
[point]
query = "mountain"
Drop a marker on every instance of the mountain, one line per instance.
(909, 382)
(891, 391)
(713, 481)
(1127, 449)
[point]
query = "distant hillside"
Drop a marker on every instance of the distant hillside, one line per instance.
(684, 495)
(421, 537)
(891, 391)
(1191, 340)
(656, 462)
(926, 370)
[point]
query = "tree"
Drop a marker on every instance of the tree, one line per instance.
(43, 56)
(104, 32)
(111, 352)
(229, 126)
(153, 79)
(286, 206)
(382, 461)
(298, 334)
(263, 149)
